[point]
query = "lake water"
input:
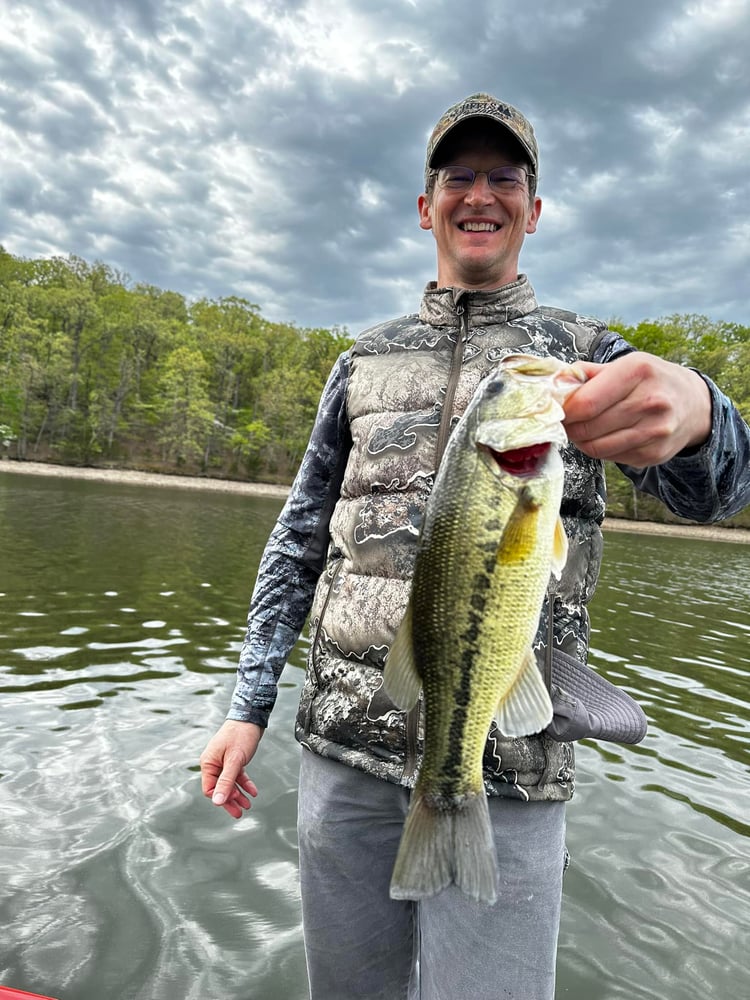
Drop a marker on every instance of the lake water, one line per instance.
(121, 614)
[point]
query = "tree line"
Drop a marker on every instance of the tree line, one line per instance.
(96, 370)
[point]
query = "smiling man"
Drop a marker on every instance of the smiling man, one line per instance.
(343, 551)
(480, 203)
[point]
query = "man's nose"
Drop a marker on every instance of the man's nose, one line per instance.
(480, 192)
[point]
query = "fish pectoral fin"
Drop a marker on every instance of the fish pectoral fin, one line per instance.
(401, 679)
(559, 549)
(520, 535)
(527, 708)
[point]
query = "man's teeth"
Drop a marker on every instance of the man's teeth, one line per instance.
(479, 227)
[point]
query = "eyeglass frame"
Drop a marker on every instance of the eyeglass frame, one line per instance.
(529, 176)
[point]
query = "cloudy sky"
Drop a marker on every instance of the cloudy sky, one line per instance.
(274, 149)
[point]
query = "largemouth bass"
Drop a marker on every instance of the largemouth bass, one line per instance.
(490, 540)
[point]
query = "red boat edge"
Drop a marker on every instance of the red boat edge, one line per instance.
(8, 993)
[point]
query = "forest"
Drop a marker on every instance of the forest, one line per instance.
(96, 370)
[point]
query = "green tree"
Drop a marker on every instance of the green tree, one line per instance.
(229, 334)
(288, 406)
(248, 442)
(184, 408)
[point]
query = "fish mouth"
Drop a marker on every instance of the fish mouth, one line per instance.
(521, 462)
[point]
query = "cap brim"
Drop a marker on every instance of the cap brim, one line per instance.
(490, 118)
(587, 706)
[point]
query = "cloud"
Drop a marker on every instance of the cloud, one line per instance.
(274, 150)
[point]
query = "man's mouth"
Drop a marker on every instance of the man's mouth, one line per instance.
(479, 227)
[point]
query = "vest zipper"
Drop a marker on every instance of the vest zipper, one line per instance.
(413, 715)
(450, 390)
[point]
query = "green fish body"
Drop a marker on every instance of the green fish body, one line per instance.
(490, 539)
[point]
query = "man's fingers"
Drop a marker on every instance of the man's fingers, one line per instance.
(248, 784)
(231, 775)
(638, 410)
(602, 390)
(223, 777)
(228, 787)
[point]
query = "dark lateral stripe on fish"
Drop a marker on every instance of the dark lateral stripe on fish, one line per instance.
(455, 767)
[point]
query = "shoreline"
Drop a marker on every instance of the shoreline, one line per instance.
(137, 478)
(710, 532)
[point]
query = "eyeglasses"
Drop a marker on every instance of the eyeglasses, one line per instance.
(506, 178)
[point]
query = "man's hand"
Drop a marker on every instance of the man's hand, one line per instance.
(223, 778)
(638, 410)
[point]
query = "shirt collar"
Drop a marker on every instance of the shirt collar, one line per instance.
(440, 306)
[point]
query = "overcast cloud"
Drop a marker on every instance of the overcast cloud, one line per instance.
(273, 149)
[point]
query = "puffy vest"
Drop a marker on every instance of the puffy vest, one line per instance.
(410, 380)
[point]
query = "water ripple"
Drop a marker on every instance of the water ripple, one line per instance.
(119, 637)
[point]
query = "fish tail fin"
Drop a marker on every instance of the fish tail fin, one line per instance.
(474, 850)
(527, 708)
(441, 846)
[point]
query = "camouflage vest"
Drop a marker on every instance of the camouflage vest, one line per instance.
(404, 375)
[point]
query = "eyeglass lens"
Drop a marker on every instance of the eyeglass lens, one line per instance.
(503, 178)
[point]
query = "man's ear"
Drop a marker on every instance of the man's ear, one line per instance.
(425, 211)
(534, 213)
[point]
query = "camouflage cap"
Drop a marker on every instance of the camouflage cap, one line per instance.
(484, 106)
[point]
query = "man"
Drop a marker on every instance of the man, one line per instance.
(343, 548)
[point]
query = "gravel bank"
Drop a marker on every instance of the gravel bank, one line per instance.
(712, 532)
(144, 478)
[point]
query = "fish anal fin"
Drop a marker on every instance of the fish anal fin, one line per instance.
(401, 679)
(527, 708)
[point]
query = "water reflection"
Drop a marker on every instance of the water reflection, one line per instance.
(121, 617)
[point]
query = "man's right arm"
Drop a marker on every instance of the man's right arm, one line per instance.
(289, 569)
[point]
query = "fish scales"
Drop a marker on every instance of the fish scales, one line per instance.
(465, 630)
(488, 544)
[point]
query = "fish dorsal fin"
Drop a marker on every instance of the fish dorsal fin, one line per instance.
(559, 549)
(401, 680)
(527, 708)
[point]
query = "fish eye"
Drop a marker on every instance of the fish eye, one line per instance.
(493, 385)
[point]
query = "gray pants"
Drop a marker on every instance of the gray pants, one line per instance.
(362, 944)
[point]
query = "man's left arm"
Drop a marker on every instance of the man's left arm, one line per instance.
(669, 428)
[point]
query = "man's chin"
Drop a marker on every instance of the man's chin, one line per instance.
(484, 271)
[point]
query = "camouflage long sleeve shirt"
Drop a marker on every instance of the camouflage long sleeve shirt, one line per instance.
(707, 484)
